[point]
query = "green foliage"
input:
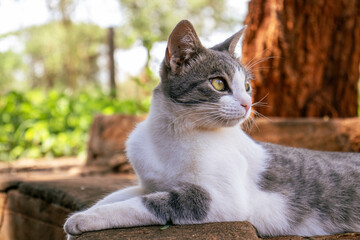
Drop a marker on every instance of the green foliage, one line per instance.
(52, 124)
(54, 55)
(9, 63)
(59, 52)
(151, 21)
(65, 54)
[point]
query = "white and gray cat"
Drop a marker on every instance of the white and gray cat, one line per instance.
(195, 164)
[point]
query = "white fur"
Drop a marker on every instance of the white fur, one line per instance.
(224, 161)
(124, 213)
(233, 103)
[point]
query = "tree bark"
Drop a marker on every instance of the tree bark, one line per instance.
(111, 62)
(310, 52)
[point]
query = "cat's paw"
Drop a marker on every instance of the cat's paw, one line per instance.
(79, 223)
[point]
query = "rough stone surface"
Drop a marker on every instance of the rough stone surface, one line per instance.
(228, 230)
(75, 193)
(313, 133)
(38, 209)
(25, 217)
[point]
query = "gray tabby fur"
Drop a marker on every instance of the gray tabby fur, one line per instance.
(324, 184)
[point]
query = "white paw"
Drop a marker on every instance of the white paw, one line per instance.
(79, 223)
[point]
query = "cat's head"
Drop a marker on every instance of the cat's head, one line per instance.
(208, 87)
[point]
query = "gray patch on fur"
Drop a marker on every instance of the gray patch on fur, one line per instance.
(188, 203)
(321, 184)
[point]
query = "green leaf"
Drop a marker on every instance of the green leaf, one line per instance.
(165, 227)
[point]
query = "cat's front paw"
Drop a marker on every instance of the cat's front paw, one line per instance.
(79, 223)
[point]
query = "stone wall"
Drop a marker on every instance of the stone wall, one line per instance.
(108, 134)
(313, 133)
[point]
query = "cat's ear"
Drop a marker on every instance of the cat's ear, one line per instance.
(183, 45)
(233, 44)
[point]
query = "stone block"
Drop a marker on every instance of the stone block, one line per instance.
(313, 133)
(38, 209)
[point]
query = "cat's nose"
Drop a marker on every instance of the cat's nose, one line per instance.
(245, 106)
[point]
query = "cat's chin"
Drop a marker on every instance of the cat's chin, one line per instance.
(235, 121)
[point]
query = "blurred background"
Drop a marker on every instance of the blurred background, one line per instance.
(56, 70)
(64, 61)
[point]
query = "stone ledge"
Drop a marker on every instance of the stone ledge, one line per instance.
(226, 230)
(38, 209)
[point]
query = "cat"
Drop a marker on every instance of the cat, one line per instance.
(196, 165)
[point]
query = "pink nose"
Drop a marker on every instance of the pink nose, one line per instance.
(245, 106)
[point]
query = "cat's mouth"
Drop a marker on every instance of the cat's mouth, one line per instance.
(231, 113)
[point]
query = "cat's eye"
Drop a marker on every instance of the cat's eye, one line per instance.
(247, 86)
(218, 84)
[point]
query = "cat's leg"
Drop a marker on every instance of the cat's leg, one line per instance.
(121, 195)
(185, 205)
(131, 212)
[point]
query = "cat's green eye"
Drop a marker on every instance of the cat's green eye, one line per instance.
(247, 86)
(218, 84)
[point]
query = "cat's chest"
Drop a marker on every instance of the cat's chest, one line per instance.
(202, 153)
(197, 157)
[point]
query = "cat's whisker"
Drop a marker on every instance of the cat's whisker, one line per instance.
(260, 68)
(255, 57)
(205, 114)
(253, 122)
(260, 61)
(260, 103)
(213, 116)
(257, 61)
(261, 115)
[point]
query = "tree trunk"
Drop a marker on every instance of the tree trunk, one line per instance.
(111, 62)
(310, 52)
